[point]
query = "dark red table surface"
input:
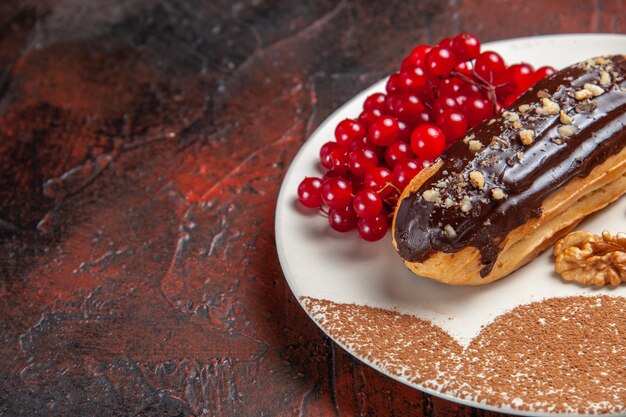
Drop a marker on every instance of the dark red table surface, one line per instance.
(142, 146)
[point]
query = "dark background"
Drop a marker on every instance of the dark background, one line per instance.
(142, 145)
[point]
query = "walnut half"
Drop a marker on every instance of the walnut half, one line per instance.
(591, 259)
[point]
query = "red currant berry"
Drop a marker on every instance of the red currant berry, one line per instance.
(378, 179)
(522, 76)
(412, 79)
(336, 193)
(373, 228)
(357, 183)
(470, 91)
(461, 99)
(416, 57)
(476, 110)
(404, 130)
(425, 117)
(384, 131)
(408, 108)
(342, 220)
(396, 152)
(392, 102)
(392, 198)
(440, 61)
(367, 203)
(361, 160)
(393, 83)
(542, 73)
(358, 143)
(428, 141)
(444, 103)
(489, 65)
(424, 163)
(450, 87)
(339, 159)
(453, 124)
(403, 173)
(375, 101)
(309, 192)
(446, 43)
(407, 63)
(465, 47)
(328, 175)
(464, 68)
(368, 116)
(347, 130)
(510, 99)
(325, 156)
(504, 85)
(429, 93)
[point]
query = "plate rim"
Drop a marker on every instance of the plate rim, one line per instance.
(284, 195)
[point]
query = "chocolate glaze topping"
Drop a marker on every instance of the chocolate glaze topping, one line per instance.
(524, 155)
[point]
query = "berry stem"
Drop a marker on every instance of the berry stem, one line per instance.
(482, 84)
(392, 186)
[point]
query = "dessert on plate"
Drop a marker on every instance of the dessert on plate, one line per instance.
(518, 182)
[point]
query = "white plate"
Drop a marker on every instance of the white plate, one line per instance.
(320, 263)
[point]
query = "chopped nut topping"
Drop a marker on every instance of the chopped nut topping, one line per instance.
(442, 183)
(586, 65)
(543, 94)
(595, 89)
(565, 119)
(510, 116)
(605, 78)
(492, 121)
(466, 204)
(523, 108)
(475, 145)
(567, 130)
(431, 195)
(517, 125)
(467, 139)
(600, 61)
(583, 94)
(497, 194)
(591, 259)
(450, 231)
(519, 156)
(447, 203)
(548, 107)
(460, 187)
(527, 136)
(477, 179)
(498, 143)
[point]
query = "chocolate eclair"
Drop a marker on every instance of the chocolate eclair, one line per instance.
(518, 182)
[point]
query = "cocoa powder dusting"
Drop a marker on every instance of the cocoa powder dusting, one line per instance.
(563, 355)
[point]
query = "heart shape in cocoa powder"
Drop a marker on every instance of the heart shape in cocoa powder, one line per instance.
(561, 355)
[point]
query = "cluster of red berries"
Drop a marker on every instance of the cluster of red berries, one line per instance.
(437, 95)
